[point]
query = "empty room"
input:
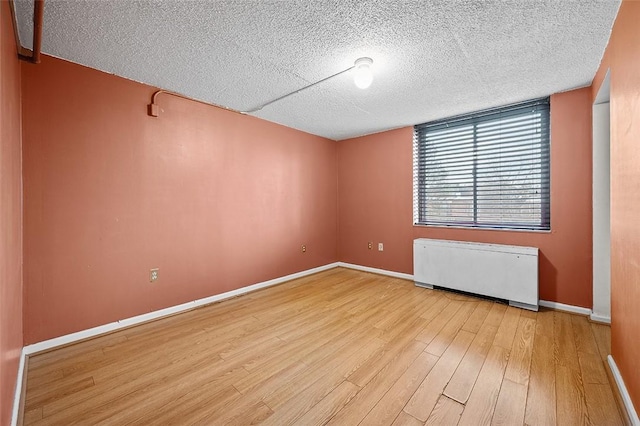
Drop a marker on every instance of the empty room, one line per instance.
(293, 212)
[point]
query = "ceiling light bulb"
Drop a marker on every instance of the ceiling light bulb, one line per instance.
(363, 77)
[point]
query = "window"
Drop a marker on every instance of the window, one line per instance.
(484, 170)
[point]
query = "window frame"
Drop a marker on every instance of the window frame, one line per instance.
(483, 117)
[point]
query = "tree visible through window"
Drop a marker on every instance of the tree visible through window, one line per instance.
(488, 169)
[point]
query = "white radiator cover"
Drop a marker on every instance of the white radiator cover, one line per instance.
(495, 270)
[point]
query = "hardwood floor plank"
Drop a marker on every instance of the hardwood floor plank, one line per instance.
(47, 394)
(481, 404)
(265, 381)
(520, 356)
(324, 410)
(146, 394)
(446, 412)
(399, 309)
(583, 336)
(375, 389)
(368, 370)
(281, 381)
(42, 366)
(105, 392)
(391, 404)
(511, 404)
(288, 406)
(563, 345)
(325, 377)
(476, 319)
(461, 384)
(544, 322)
(592, 369)
(371, 308)
(250, 414)
(289, 395)
(571, 408)
(442, 340)
(508, 326)
(602, 335)
(44, 379)
(309, 347)
(405, 419)
(434, 310)
(133, 366)
(438, 323)
(426, 396)
(71, 353)
(190, 407)
(138, 367)
(32, 416)
(496, 314)
(311, 354)
(601, 405)
(541, 396)
(410, 326)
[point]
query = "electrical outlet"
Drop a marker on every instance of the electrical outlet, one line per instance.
(380, 247)
(370, 245)
(153, 274)
(304, 249)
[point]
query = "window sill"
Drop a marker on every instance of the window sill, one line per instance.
(474, 228)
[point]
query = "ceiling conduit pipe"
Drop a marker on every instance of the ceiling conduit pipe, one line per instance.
(38, 18)
(154, 109)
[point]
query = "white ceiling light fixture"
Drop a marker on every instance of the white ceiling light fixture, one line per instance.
(363, 75)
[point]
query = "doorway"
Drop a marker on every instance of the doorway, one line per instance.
(602, 205)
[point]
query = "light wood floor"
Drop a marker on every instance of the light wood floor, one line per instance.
(341, 347)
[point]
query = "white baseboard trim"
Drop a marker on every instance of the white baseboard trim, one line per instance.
(567, 308)
(108, 328)
(18, 393)
(377, 271)
(553, 305)
(600, 318)
(626, 398)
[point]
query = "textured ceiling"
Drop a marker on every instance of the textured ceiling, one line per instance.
(432, 59)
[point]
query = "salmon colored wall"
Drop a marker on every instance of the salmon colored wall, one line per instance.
(623, 58)
(215, 199)
(375, 201)
(10, 215)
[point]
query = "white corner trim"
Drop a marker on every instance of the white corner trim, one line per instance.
(108, 328)
(626, 398)
(377, 271)
(18, 394)
(600, 318)
(567, 308)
